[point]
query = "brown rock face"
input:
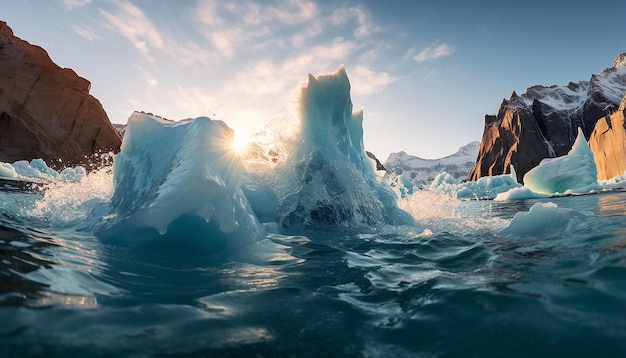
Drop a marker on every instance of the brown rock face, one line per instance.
(608, 144)
(512, 137)
(543, 122)
(46, 111)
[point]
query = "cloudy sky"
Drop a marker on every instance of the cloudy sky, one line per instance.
(425, 72)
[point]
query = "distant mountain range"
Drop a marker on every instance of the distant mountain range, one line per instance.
(423, 171)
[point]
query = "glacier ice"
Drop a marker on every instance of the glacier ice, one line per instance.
(574, 173)
(617, 182)
(545, 219)
(182, 182)
(484, 188)
(328, 180)
(37, 170)
(179, 181)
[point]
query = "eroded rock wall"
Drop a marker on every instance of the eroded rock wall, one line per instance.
(608, 144)
(46, 111)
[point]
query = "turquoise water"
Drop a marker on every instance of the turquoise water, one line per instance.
(455, 286)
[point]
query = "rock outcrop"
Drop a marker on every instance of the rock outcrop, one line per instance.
(608, 144)
(543, 122)
(379, 165)
(46, 111)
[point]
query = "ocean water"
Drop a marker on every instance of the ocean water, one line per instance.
(185, 247)
(457, 284)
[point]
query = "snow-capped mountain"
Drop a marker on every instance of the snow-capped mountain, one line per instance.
(543, 121)
(422, 171)
(120, 128)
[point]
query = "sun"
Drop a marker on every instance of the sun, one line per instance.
(241, 140)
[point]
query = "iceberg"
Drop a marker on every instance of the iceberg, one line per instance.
(545, 219)
(520, 193)
(329, 180)
(177, 181)
(574, 173)
(183, 182)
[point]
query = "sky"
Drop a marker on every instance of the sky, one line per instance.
(425, 72)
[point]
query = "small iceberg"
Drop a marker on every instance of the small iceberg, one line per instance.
(574, 173)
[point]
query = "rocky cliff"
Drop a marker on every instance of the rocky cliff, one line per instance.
(543, 121)
(608, 144)
(46, 111)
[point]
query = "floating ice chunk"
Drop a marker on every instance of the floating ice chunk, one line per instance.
(37, 169)
(444, 182)
(519, 193)
(72, 175)
(405, 185)
(574, 173)
(483, 188)
(614, 183)
(179, 181)
(544, 219)
(7, 170)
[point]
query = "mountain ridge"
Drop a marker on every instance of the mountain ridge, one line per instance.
(543, 121)
(422, 171)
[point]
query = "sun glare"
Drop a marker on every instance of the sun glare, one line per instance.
(241, 141)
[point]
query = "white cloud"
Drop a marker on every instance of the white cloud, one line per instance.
(364, 24)
(227, 40)
(192, 101)
(207, 14)
(131, 23)
(150, 79)
(269, 48)
(236, 27)
(287, 12)
(272, 85)
(189, 53)
(70, 4)
(85, 32)
(364, 81)
(294, 12)
(433, 53)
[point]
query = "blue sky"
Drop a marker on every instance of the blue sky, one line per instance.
(425, 72)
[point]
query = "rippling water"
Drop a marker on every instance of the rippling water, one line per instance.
(454, 286)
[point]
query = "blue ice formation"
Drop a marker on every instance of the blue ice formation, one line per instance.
(180, 181)
(574, 173)
(329, 180)
(520, 193)
(545, 219)
(617, 182)
(483, 189)
(404, 185)
(37, 170)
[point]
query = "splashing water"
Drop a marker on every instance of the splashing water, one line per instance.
(69, 203)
